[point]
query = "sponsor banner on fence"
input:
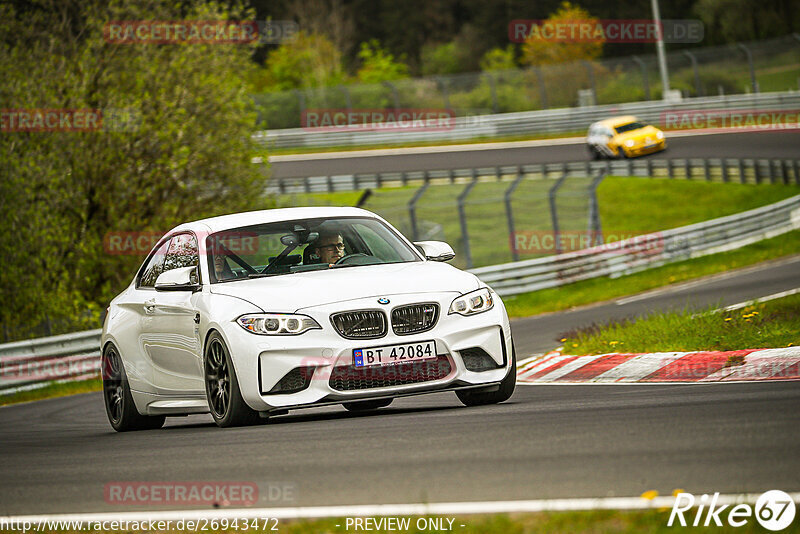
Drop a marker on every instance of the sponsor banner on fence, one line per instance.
(606, 31)
(403, 119)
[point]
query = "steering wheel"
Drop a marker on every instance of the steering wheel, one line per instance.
(352, 259)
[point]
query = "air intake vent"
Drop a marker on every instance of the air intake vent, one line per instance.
(414, 318)
(295, 380)
(350, 378)
(476, 360)
(364, 324)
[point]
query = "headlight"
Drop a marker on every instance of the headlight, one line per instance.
(629, 143)
(277, 324)
(472, 303)
(660, 135)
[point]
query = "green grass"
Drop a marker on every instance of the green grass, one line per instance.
(770, 324)
(604, 288)
(52, 390)
(584, 522)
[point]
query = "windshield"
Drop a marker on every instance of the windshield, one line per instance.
(629, 127)
(289, 247)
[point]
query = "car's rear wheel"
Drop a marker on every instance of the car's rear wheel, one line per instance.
(120, 408)
(503, 393)
(365, 406)
(222, 387)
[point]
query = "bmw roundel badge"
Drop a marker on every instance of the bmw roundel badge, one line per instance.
(383, 300)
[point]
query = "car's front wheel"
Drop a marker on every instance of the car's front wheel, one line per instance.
(365, 406)
(120, 408)
(503, 393)
(222, 387)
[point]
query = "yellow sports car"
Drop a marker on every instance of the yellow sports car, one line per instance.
(624, 137)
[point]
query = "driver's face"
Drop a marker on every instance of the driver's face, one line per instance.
(330, 249)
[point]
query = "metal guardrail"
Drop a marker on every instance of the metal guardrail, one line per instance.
(644, 252)
(36, 362)
(528, 122)
(33, 362)
(747, 170)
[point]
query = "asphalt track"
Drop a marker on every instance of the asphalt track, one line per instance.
(762, 144)
(545, 442)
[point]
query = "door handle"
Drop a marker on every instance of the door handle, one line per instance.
(150, 306)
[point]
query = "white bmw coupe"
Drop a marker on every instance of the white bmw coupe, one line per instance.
(253, 314)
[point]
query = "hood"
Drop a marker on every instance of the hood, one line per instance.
(290, 292)
(639, 135)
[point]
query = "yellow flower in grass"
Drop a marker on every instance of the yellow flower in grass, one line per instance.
(728, 318)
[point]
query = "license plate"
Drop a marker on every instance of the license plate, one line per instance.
(394, 354)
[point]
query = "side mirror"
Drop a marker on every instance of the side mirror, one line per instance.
(435, 250)
(181, 279)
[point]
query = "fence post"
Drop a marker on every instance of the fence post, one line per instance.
(742, 178)
(348, 101)
(412, 207)
(542, 88)
(697, 87)
(493, 91)
(595, 229)
(510, 214)
(706, 170)
(394, 94)
(443, 88)
(593, 86)
(670, 171)
(554, 214)
(757, 170)
(724, 166)
(797, 172)
(645, 80)
(749, 55)
(785, 172)
(301, 101)
(462, 217)
(687, 168)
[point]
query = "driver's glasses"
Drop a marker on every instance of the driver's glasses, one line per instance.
(338, 246)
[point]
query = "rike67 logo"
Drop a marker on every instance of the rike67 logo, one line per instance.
(774, 510)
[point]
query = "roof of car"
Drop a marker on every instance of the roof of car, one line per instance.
(613, 122)
(249, 218)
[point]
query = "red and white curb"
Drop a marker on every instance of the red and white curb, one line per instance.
(662, 367)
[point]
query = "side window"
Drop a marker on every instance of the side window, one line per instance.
(182, 252)
(154, 267)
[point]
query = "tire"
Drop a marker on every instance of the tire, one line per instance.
(120, 408)
(595, 154)
(225, 400)
(365, 406)
(480, 398)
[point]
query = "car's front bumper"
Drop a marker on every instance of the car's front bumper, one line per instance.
(261, 361)
(643, 150)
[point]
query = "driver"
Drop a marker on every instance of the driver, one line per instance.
(329, 247)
